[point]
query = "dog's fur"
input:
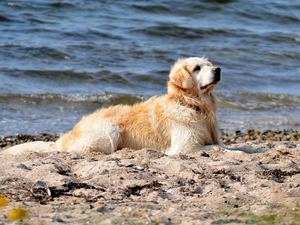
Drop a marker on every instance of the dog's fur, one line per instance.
(183, 121)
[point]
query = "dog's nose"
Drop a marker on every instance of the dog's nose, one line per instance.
(217, 74)
(217, 71)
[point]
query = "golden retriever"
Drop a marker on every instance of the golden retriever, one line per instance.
(183, 121)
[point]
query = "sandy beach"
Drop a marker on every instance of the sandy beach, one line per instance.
(149, 187)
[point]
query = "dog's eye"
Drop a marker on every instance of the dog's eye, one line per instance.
(198, 68)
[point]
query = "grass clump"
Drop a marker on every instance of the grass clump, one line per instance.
(17, 214)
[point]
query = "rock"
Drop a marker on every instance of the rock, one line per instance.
(102, 209)
(257, 132)
(286, 138)
(198, 190)
(249, 131)
(277, 131)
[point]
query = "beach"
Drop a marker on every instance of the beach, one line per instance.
(149, 187)
(63, 60)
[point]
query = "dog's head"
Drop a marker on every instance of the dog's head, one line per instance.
(195, 73)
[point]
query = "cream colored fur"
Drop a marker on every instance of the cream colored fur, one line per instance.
(183, 121)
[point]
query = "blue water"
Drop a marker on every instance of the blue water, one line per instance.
(60, 60)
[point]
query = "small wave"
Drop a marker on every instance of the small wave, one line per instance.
(5, 19)
(43, 52)
(220, 1)
(104, 98)
(60, 5)
(91, 33)
(238, 100)
(51, 74)
(257, 101)
(169, 30)
(153, 8)
(277, 37)
(32, 18)
(281, 13)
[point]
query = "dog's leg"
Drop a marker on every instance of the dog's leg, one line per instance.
(184, 141)
(103, 136)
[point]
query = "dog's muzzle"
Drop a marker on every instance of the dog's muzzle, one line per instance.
(217, 78)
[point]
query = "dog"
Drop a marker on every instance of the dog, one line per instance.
(182, 121)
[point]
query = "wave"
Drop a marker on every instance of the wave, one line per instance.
(91, 34)
(190, 33)
(60, 5)
(51, 74)
(57, 113)
(43, 52)
(157, 8)
(5, 19)
(105, 98)
(171, 30)
(257, 101)
(238, 100)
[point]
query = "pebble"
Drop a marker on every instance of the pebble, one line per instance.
(108, 221)
(137, 167)
(267, 135)
(8, 141)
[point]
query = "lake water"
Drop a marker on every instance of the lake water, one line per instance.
(60, 60)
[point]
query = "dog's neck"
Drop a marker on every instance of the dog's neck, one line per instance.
(204, 104)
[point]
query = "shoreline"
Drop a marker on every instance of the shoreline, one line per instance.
(227, 138)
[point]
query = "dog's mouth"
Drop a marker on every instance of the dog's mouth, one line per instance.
(216, 81)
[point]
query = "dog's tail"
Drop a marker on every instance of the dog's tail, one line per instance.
(36, 146)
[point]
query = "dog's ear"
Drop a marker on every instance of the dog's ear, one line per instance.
(181, 77)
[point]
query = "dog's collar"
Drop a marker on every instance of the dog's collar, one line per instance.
(191, 106)
(196, 108)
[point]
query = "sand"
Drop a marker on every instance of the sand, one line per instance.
(149, 187)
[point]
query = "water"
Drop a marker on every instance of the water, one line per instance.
(60, 60)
